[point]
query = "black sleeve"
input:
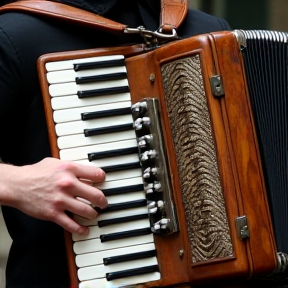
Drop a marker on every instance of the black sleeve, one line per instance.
(198, 22)
(10, 83)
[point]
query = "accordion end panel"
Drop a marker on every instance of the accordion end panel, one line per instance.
(205, 188)
(261, 242)
(204, 167)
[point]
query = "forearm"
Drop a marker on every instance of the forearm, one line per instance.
(9, 176)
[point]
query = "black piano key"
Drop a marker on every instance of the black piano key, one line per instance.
(125, 234)
(106, 130)
(98, 78)
(100, 64)
(102, 92)
(121, 167)
(122, 190)
(106, 113)
(122, 206)
(103, 223)
(129, 257)
(131, 272)
(111, 153)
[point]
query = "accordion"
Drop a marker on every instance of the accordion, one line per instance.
(193, 139)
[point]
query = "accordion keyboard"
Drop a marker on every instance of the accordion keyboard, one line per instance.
(91, 107)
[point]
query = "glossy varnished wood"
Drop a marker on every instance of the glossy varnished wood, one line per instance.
(237, 155)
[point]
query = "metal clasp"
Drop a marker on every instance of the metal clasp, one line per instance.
(242, 228)
(217, 86)
(152, 39)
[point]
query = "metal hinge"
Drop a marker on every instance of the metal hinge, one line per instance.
(242, 228)
(217, 86)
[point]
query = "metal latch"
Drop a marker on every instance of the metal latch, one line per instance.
(242, 228)
(153, 38)
(217, 86)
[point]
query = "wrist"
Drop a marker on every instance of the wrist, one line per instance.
(8, 175)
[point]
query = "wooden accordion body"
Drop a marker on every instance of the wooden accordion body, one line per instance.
(213, 156)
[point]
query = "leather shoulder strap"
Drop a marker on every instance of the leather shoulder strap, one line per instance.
(173, 13)
(64, 12)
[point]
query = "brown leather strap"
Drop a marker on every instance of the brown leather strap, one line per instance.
(173, 13)
(65, 12)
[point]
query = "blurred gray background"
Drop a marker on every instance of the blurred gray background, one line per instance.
(244, 14)
(247, 14)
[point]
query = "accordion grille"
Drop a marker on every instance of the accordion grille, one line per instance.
(201, 189)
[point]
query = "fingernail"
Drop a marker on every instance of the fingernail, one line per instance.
(83, 231)
(102, 174)
(104, 203)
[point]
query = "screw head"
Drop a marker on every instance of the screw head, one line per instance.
(152, 77)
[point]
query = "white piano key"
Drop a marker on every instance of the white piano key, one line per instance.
(74, 114)
(69, 64)
(95, 245)
(95, 231)
(123, 159)
(78, 140)
(117, 175)
(110, 215)
(122, 198)
(96, 258)
(76, 127)
(119, 183)
(69, 75)
(71, 101)
(80, 153)
(62, 89)
(123, 282)
(99, 271)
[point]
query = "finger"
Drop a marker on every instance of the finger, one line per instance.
(80, 208)
(84, 200)
(92, 173)
(70, 225)
(90, 193)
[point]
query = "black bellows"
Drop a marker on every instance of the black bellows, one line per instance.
(265, 61)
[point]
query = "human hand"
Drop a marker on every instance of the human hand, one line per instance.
(48, 189)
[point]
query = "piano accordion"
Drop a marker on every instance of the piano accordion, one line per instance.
(193, 139)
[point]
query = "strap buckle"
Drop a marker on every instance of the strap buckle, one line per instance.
(153, 39)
